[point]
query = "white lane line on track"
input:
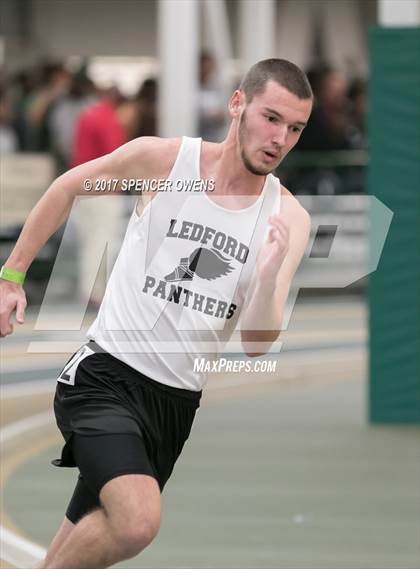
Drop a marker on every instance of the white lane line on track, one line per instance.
(15, 549)
(25, 425)
(26, 388)
(19, 551)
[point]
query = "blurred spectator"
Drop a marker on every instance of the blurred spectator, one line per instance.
(8, 138)
(328, 127)
(99, 129)
(64, 116)
(139, 115)
(358, 110)
(23, 85)
(336, 124)
(54, 84)
(98, 132)
(147, 109)
(211, 103)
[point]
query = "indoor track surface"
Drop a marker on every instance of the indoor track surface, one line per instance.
(281, 471)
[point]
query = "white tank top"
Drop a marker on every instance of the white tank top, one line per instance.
(178, 284)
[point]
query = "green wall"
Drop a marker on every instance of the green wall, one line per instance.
(394, 178)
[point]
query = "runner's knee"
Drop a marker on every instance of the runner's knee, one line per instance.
(135, 535)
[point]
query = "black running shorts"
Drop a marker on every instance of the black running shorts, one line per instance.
(117, 421)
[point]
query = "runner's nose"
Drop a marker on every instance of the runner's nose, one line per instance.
(280, 136)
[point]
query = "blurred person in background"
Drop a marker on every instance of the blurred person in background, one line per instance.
(63, 118)
(99, 131)
(139, 114)
(147, 100)
(22, 87)
(358, 112)
(328, 127)
(55, 81)
(8, 138)
(211, 104)
(336, 124)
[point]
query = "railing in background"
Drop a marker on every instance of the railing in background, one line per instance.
(341, 172)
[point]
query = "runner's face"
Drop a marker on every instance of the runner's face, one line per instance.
(270, 126)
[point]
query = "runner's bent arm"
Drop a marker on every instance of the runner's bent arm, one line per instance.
(146, 157)
(264, 306)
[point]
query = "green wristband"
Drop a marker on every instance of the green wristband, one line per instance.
(12, 275)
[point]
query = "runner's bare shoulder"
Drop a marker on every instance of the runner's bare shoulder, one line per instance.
(147, 157)
(293, 208)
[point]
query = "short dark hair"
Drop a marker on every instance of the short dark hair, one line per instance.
(283, 72)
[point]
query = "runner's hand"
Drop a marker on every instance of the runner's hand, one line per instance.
(274, 250)
(12, 297)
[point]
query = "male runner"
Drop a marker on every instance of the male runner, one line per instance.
(125, 402)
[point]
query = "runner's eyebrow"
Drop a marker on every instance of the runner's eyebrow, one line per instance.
(280, 116)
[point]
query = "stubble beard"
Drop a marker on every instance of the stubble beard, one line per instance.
(242, 134)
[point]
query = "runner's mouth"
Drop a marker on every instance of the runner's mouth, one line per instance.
(270, 155)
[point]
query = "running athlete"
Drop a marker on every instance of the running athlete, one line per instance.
(188, 267)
